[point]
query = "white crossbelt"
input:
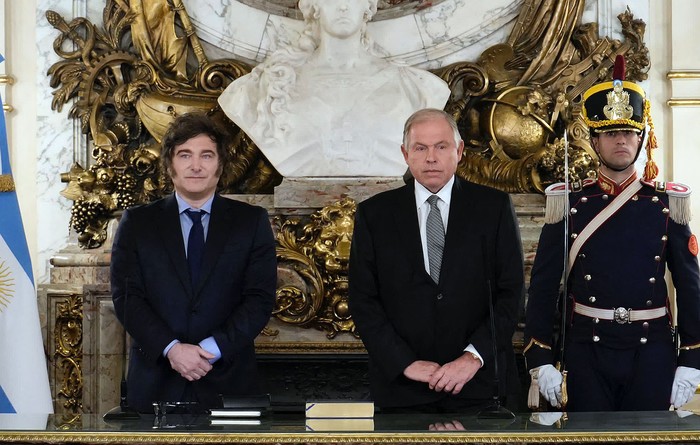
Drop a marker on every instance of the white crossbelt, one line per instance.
(620, 314)
(598, 221)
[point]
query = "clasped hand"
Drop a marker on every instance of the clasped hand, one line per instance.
(450, 377)
(190, 361)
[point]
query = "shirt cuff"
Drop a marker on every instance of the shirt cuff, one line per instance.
(209, 345)
(472, 350)
(169, 347)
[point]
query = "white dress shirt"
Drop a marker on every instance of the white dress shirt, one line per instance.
(445, 195)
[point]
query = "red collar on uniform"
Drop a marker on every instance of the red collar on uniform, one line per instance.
(611, 187)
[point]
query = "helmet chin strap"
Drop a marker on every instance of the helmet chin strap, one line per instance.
(618, 169)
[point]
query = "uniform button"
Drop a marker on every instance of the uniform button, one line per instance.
(584, 199)
(605, 197)
(643, 340)
(652, 280)
(596, 338)
(439, 296)
(648, 302)
(591, 299)
(664, 238)
(657, 258)
(635, 198)
(574, 235)
(655, 199)
(596, 320)
(665, 211)
(587, 277)
(645, 325)
(573, 211)
(582, 256)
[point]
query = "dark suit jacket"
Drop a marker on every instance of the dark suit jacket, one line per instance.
(232, 302)
(403, 316)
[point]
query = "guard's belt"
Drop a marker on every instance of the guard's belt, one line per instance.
(620, 314)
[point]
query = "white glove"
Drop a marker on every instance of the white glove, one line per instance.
(549, 380)
(685, 383)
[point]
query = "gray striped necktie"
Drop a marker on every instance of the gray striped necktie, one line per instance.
(435, 234)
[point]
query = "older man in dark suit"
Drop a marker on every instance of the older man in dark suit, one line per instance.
(426, 260)
(193, 279)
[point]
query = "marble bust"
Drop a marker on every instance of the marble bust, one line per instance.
(330, 105)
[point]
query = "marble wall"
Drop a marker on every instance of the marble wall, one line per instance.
(451, 31)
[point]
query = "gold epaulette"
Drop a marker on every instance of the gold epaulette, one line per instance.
(678, 199)
(556, 199)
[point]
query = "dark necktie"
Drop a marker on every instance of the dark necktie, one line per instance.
(435, 234)
(195, 245)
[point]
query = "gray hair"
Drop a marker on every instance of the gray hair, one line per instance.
(427, 114)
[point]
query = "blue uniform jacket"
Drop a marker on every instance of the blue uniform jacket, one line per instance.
(622, 265)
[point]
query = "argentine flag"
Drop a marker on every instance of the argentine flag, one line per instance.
(24, 382)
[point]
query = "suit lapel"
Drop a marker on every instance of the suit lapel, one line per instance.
(406, 222)
(217, 235)
(171, 233)
(458, 224)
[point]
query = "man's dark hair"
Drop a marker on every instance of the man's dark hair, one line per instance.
(184, 128)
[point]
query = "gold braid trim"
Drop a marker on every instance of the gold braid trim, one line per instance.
(540, 344)
(7, 184)
(607, 122)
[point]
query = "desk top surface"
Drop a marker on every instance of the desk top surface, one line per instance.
(623, 427)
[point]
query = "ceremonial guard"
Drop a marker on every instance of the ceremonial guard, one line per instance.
(621, 352)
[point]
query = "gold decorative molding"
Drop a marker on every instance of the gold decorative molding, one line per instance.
(294, 437)
(315, 256)
(125, 102)
(689, 102)
(690, 74)
(68, 339)
(684, 102)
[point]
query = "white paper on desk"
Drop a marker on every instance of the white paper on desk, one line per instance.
(231, 421)
(223, 412)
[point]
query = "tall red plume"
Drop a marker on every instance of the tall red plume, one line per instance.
(619, 70)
